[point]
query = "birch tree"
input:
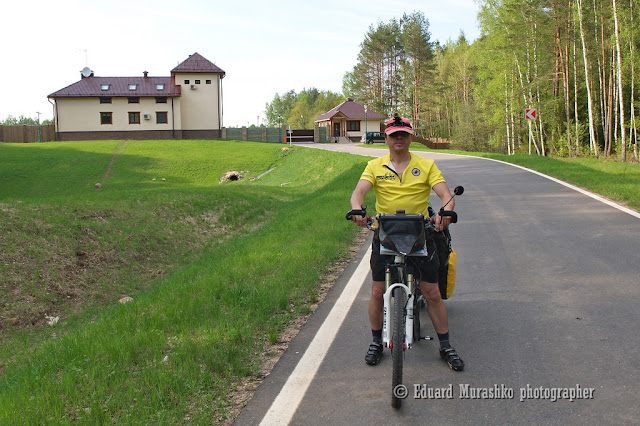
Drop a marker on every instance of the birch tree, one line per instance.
(592, 136)
(623, 142)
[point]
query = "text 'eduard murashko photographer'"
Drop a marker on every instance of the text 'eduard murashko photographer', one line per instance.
(466, 391)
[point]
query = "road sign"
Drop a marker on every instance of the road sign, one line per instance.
(530, 113)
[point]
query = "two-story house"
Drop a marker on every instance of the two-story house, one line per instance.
(186, 105)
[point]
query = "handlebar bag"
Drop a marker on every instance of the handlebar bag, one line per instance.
(402, 233)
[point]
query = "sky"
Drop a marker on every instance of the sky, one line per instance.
(265, 47)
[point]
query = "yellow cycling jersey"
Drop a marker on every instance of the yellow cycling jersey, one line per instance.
(409, 191)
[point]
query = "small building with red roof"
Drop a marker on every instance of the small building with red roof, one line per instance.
(186, 105)
(350, 120)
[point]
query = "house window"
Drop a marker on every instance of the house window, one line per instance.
(353, 126)
(106, 118)
(133, 86)
(159, 86)
(197, 81)
(161, 117)
(208, 81)
(134, 100)
(161, 100)
(134, 118)
(105, 100)
(186, 82)
(104, 87)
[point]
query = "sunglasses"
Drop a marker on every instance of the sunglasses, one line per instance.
(397, 122)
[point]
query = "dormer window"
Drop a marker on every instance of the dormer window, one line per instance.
(104, 87)
(133, 86)
(159, 86)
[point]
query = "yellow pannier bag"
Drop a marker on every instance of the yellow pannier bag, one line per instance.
(448, 282)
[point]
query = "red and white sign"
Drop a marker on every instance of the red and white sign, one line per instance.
(530, 113)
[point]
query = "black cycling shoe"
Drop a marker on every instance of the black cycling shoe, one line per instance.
(452, 358)
(373, 354)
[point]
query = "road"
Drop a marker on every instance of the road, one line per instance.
(546, 297)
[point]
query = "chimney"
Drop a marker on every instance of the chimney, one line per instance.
(145, 73)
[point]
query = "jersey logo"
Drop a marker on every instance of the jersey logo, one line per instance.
(415, 172)
(387, 176)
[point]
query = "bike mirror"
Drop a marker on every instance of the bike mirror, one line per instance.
(458, 190)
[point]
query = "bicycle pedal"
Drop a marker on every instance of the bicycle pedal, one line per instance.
(425, 338)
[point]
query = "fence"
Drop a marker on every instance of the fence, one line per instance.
(27, 133)
(274, 134)
(434, 143)
(46, 132)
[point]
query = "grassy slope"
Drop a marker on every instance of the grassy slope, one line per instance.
(194, 331)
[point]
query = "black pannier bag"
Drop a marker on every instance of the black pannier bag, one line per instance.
(447, 258)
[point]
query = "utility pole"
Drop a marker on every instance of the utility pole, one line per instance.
(39, 137)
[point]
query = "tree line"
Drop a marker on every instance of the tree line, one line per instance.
(13, 121)
(299, 110)
(573, 61)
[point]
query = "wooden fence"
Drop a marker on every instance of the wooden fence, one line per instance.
(275, 134)
(25, 133)
(434, 143)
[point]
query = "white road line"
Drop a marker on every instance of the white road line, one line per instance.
(551, 178)
(286, 403)
(575, 188)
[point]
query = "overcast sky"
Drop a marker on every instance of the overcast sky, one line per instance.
(265, 47)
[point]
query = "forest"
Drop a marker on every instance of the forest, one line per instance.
(573, 61)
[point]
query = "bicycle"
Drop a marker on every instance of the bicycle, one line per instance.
(402, 235)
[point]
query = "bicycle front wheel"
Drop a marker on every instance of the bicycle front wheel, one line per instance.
(397, 352)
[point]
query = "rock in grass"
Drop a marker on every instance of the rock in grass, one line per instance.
(126, 299)
(51, 320)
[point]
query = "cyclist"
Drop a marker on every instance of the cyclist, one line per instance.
(402, 180)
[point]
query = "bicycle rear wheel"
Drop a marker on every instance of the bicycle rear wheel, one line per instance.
(397, 352)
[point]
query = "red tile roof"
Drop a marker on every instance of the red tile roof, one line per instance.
(118, 86)
(197, 63)
(352, 110)
(145, 86)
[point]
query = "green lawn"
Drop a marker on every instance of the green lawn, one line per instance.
(215, 270)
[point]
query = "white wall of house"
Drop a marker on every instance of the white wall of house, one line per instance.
(83, 114)
(371, 126)
(200, 107)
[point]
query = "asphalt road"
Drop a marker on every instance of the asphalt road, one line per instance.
(546, 297)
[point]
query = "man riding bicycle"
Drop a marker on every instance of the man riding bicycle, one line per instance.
(401, 180)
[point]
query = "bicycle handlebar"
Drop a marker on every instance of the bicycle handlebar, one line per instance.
(427, 220)
(458, 190)
(355, 212)
(446, 213)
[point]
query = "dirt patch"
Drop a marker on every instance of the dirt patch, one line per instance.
(232, 176)
(238, 398)
(110, 166)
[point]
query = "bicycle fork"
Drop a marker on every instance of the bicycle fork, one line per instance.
(408, 306)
